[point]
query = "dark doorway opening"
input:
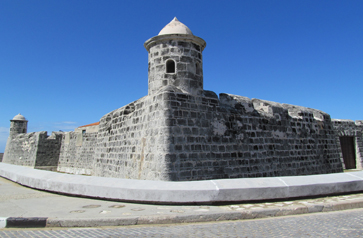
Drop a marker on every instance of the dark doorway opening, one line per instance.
(347, 145)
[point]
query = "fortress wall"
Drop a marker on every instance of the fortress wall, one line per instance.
(48, 150)
(351, 129)
(67, 158)
(237, 137)
(174, 136)
(133, 141)
(77, 153)
(22, 149)
(35, 149)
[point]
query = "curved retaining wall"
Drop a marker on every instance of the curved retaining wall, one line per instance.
(207, 191)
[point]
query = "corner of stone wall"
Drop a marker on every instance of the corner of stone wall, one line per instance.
(170, 88)
(133, 140)
(21, 149)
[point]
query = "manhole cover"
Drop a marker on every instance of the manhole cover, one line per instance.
(117, 206)
(91, 206)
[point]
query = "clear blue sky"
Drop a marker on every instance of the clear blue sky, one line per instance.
(67, 63)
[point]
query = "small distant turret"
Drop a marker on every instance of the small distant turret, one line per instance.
(18, 125)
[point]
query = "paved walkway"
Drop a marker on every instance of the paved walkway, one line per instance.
(17, 201)
(346, 223)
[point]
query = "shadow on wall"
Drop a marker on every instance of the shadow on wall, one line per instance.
(1, 157)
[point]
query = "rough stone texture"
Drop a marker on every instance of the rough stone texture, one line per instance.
(354, 129)
(17, 127)
(186, 52)
(133, 141)
(237, 137)
(35, 149)
(1, 157)
(77, 153)
(21, 149)
(48, 150)
(175, 136)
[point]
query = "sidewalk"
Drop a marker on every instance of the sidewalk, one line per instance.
(214, 191)
(25, 207)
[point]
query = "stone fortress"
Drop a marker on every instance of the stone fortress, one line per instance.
(181, 132)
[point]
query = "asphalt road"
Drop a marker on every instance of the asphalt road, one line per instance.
(347, 223)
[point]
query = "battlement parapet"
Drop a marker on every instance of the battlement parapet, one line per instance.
(34, 149)
(271, 109)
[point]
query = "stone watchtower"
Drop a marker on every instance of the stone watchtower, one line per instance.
(18, 125)
(175, 60)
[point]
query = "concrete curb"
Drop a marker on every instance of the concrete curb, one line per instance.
(3, 222)
(194, 192)
(202, 217)
(21, 222)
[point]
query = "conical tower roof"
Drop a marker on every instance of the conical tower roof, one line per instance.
(175, 27)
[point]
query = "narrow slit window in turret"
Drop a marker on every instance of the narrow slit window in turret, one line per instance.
(170, 66)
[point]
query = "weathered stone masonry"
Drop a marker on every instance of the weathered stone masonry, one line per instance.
(77, 153)
(351, 132)
(181, 132)
(36, 149)
(236, 137)
(183, 55)
(132, 141)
